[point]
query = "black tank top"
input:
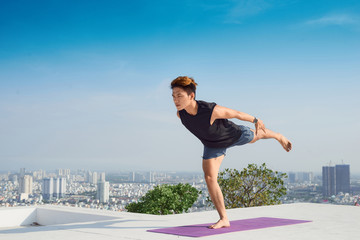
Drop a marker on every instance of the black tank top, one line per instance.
(221, 134)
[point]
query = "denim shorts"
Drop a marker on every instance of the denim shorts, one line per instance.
(246, 136)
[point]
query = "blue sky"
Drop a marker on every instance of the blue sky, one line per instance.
(86, 84)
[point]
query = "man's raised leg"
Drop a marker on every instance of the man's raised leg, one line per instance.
(285, 143)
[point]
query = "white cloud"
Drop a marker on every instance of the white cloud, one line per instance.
(340, 19)
(246, 8)
(239, 10)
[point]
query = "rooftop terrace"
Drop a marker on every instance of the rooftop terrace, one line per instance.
(328, 222)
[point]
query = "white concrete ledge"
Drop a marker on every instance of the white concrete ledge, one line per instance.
(46, 216)
(13, 217)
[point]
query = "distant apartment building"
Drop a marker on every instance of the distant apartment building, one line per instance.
(306, 177)
(59, 187)
(48, 188)
(53, 188)
(39, 175)
(103, 189)
(63, 173)
(88, 176)
(336, 179)
(25, 186)
(144, 177)
(14, 178)
(62, 187)
(150, 177)
(292, 177)
(102, 177)
(22, 172)
(328, 180)
(342, 173)
(94, 178)
(300, 177)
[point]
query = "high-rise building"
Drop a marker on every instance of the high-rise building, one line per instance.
(150, 177)
(336, 179)
(305, 177)
(59, 187)
(102, 193)
(14, 178)
(26, 184)
(292, 177)
(88, 176)
(102, 177)
(132, 176)
(328, 179)
(311, 177)
(56, 188)
(342, 178)
(38, 175)
(94, 178)
(62, 187)
(63, 173)
(138, 177)
(22, 172)
(48, 188)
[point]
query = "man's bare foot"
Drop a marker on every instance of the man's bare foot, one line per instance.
(285, 143)
(222, 223)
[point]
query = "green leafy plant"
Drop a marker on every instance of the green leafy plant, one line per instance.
(166, 199)
(253, 186)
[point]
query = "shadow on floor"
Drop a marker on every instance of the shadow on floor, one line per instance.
(108, 225)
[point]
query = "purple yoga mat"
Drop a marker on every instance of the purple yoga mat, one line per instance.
(202, 230)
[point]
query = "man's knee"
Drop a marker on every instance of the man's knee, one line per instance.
(210, 179)
(256, 137)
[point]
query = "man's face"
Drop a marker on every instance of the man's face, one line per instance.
(181, 98)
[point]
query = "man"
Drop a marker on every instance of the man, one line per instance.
(209, 122)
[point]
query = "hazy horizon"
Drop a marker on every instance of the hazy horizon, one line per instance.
(112, 171)
(86, 84)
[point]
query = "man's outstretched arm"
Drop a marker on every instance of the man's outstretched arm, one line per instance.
(220, 112)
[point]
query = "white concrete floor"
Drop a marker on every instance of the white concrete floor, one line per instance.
(328, 222)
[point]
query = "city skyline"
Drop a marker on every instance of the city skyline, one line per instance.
(86, 84)
(81, 189)
(95, 175)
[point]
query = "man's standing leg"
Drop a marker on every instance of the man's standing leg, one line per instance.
(211, 169)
